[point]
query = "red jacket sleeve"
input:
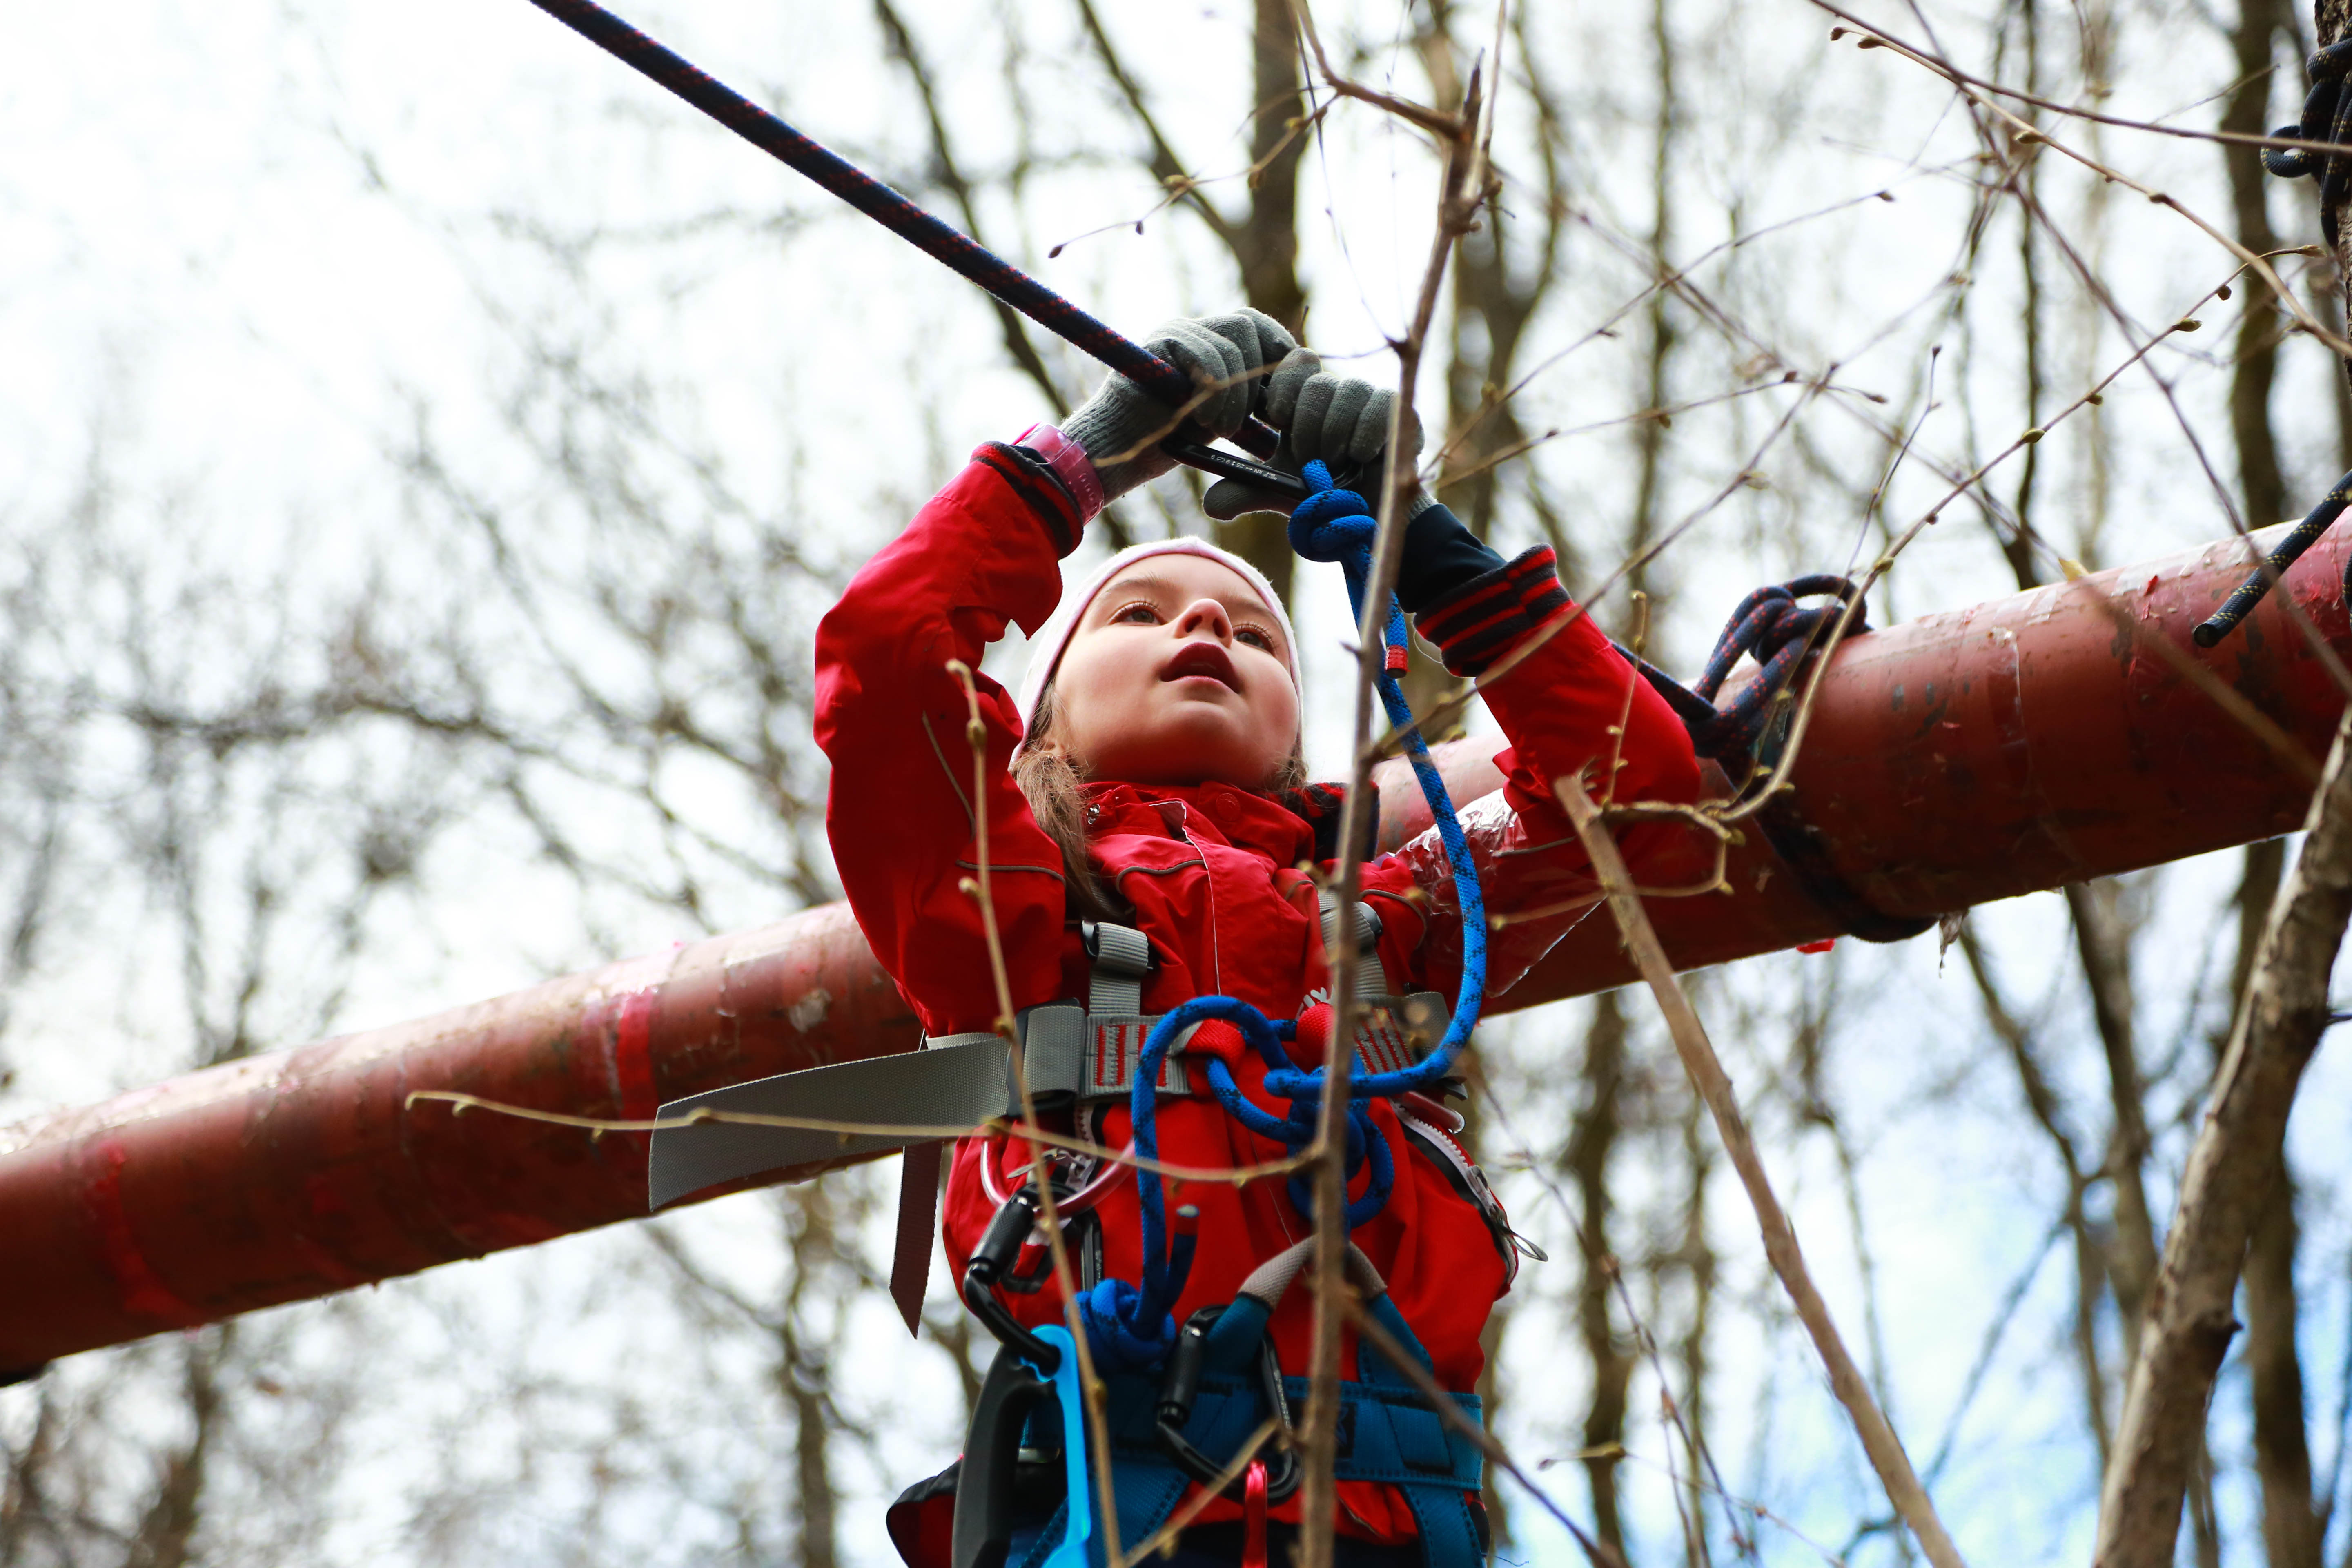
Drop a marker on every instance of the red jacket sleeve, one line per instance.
(1562, 707)
(892, 719)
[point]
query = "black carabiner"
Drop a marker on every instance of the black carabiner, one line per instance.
(1180, 1385)
(992, 1265)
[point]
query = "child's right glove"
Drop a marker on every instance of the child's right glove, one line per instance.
(1121, 426)
(1344, 421)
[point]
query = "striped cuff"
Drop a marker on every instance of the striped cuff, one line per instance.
(1070, 465)
(1482, 620)
(1037, 483)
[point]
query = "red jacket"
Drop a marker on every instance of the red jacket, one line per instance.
(1211, 871)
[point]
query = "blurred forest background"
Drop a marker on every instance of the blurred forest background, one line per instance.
(427, 451)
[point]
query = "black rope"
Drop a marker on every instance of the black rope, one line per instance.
(2327, 117)
(937, 239)
(2250, 593)
(1770, 625)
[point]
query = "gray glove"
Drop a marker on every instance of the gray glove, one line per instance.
(1342, 420)
(1121, 426)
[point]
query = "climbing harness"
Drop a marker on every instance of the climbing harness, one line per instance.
(1188, 1424)
(2326, 118)
(938, 240)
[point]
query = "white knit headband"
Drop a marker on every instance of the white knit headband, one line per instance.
(1045, 648)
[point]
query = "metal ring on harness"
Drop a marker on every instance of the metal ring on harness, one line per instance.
(1098, 1186)
(1029, 1271)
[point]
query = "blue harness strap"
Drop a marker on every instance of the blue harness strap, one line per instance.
(1387, 1433)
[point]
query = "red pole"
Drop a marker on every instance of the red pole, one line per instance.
(1953, 760)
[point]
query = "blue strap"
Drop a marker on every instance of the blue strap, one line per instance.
(1077, 1545)
(1387, 1434)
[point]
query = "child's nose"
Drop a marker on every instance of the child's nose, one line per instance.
(1205, 615)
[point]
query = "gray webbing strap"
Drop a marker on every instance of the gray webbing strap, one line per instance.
(1272, 1278)
(1122, 957)
(917, 1232)
(1053, 1052)
(1115, 1049)
(959, 1084)
(1071, 1054)
(1370, 980)
(1087, 1055)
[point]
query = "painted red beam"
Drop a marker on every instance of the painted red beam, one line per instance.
(1955, 759)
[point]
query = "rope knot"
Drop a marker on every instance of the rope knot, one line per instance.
(1775, 629)
(1122, 1328)
(1330, 524)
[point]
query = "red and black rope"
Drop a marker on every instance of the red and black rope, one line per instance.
(941, 241)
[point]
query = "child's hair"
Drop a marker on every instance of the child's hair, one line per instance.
(1050, 780)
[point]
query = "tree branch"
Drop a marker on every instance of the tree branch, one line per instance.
(2230, 1171)
(1713, 1086)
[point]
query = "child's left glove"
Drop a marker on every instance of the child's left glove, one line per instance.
(1344, 422)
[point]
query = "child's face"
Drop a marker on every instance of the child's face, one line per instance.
(1177, 675)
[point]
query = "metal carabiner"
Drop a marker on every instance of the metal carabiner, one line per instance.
(1180, 1385)
(1028, 1272)
(992, 1265)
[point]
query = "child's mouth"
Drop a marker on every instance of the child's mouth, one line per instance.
(1201, 659)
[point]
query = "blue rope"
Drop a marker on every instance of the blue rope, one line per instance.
(1333, 524)
(1132, 1327)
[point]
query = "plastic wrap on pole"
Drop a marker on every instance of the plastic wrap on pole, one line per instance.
(1962, 757)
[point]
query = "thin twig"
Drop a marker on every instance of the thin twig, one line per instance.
(1713, 1086)
(2074, 111)
(2024, 130)
(1027, 1132)
(1777, 776)
(1463, 187)
(1442, 1405)
(1091, 1385)
(1164, 1538)
(1643, 1340)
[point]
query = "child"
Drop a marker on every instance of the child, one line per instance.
(1150, 776)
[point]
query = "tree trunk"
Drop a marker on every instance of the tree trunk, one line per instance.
(802, 1369)
(170, 1522)
(1265, 244)
(2104, 948)
(2291, 1534)
(2229, 1180)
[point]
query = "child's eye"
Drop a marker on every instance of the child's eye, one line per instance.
(1255, 637)
(1139, 612)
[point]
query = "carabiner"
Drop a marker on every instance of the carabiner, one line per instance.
(992, 1265)
(1181, 1386)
